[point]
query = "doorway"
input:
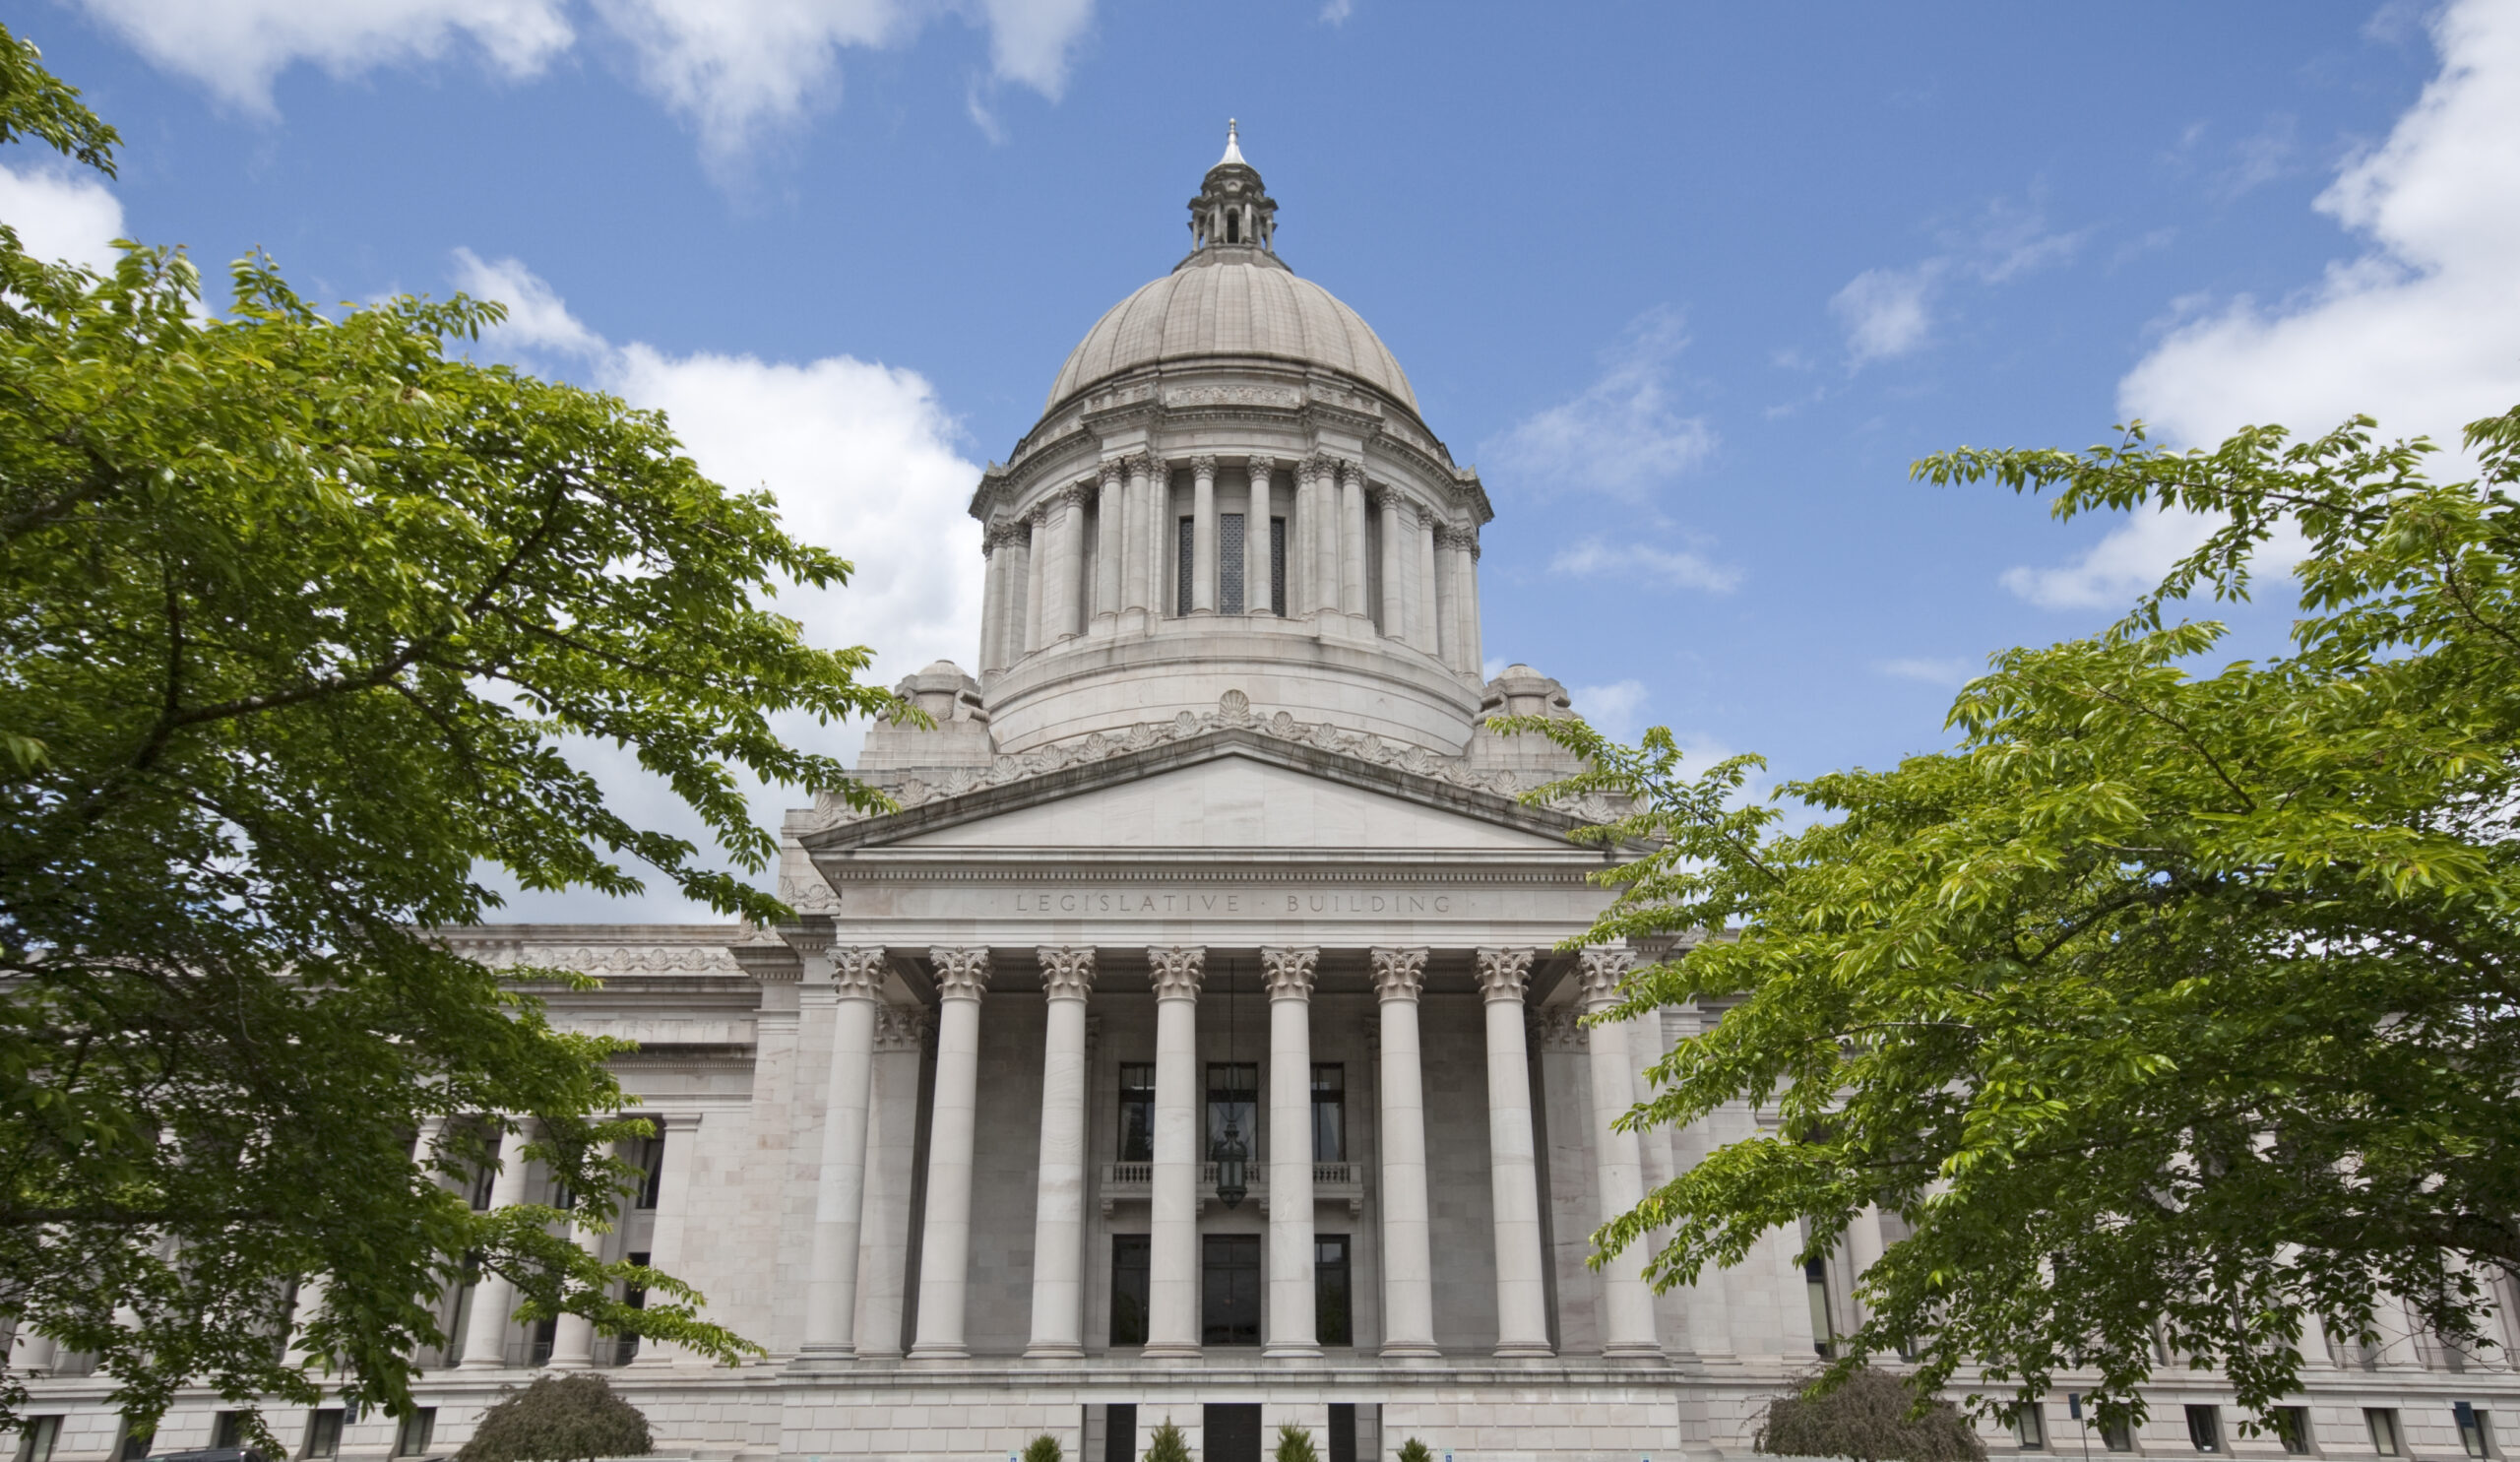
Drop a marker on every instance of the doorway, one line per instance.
(1233, 1433)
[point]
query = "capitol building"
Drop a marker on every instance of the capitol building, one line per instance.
(1192, 1043)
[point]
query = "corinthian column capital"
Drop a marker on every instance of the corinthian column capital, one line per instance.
(1176, 970)
(1289, 972)
(1399, 974)
(961, 973)
(899, 1027)
(1503, 974)
(857, 972)
(1602, 972)
(1066, 973)
(1204, 464)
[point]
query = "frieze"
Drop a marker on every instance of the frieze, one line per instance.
(1283, 398)
(600, 959)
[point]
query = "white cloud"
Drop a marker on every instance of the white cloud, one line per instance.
(1884, 311)
(1890, 312)
(237, 48)
(1624, 435)
(2420, 331)
(1611, 709)
(1673, 568)
(1336, 12)
(1952, 672)
(61, 215)
(538, 319)
(731, 68)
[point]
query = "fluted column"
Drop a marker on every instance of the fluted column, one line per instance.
(1474, 651)
(1863, 1250)
(1138, 554)
(856, 978)
(892, 1129)
(1292, 1328)
(945, 1242)
(572, 1334)
(1173, 1243)
(1352, 540)
(1408, 1263)
(1447, 600)
(679, 1134)
(1109, 510)
(1627, 1302)
(485, 1338)
(1322, 534)
(992, 599)
(1059, 1206)
(1203, 534)
(1036, 573)
(1061, 598)
(1423, 620)
(1395, 586)
(1513, 1167)
(1256, 590)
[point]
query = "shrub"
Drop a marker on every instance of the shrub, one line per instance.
(1167, 1444)
(1294, 1445)
(559, 1419)
(1042, 1448)
(1872, 1416)
(1414, 1450)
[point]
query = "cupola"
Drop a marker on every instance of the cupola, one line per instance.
(1232, 209)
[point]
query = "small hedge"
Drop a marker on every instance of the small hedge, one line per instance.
(559, 1419)
(1871, 1416)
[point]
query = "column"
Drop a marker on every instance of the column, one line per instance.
(1060, 598)
(1058, 1209)
(1447, 600)
(1036, 573)
(1137, 555)
(892, 1132)
(1863, 1250)
(1648, 1042)
(1203, 534)
(1323, 535)
(1408, 1265)
(1289, 1328)
(572, 1334)
(1109, 511)
(34, 1354)
(485, 1338)
(1627, 1301)
(1395, 579)
(1352, 538)
(680, 1133)
(1423, 620)
(992, 597)
(856, 979)
(945, 1244)
(307, 1303)
(1172, 1230)
(1474, 653)
(1256, 595)
(1522, 1306)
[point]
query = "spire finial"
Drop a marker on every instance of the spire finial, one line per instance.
(1232, 143)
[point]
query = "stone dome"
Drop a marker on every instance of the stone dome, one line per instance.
(1237, 302)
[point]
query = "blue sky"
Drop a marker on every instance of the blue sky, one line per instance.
(1691, 284)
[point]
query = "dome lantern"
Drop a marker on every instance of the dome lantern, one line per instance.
(1232, 209)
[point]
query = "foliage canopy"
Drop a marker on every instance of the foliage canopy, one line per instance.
(2169, 1008)
(300, 617)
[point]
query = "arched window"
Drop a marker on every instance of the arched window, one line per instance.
(1234, 226)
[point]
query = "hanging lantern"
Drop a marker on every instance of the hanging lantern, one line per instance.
(1231, 1159)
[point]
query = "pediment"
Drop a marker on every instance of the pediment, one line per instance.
(1222, 793)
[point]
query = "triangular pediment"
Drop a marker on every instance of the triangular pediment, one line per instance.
(1223, 793)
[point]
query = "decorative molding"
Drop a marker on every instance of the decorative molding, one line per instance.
(857, 972)
(607, 959)
(809, 938)
(1113, 472)
(1448, 535)
(1399, 974)
(961, 974)
(1176, 971)
(1560, 1028)
(1283, 398)
(1288, 971)
(899, 1027)
(809, 892)
(1503, 973)
(1601, 973)
(1067, 973)
(1263, 468)
(1204, 466)
(1147, 464)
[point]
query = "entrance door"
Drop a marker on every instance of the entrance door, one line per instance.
(1230, 1289)
(1119, 1433)
(1232, 1433)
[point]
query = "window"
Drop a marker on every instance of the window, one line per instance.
(1129, 1270)
(1228, 563)
(1120, 1431)
(1330, 1290)
(2118, 1437)
(480, 1194)
(227, 1429)
(1330, 1114)
(1343, 1431)
(651, 1160)
(2293, 1428)
(2205, 1428)
(1815, 1287)
(2383, 1422)
(324, 1434)
(1230, 1289)
(2030, 1426)
(2476, 1429)
(1185, 555)
(1137, 1111)
(412, 1438)
(36, 1436)
(1278, 566)
(1233, 1092)
(135, 1441)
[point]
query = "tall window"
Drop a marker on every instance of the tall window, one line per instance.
(2117, 1435)
(2383, 1423)
(1185, 554)
(2476, 1429)
(37, 1438)
(2030, 1426)
(2205, 1428)
(412, 1436)
(1137, 1111)
(1278, 566)
(651, 1160)
(1228, 563)
(1331, 1308)
(1815, 1287)
(1129, 1270)
(323, 1433)
(1230, 1289)
(1233, 1094)
(1329, 1113)
(2293, 1428)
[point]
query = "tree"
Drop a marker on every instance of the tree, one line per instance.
(2171, 1007)
(1872, 1416)
(559, 1419)
(1042, 1448)
(1167, 1444)
(1414, 1450)
(300, 618)
(1294, 1445)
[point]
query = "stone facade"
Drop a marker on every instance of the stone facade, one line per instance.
(1215, 835)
